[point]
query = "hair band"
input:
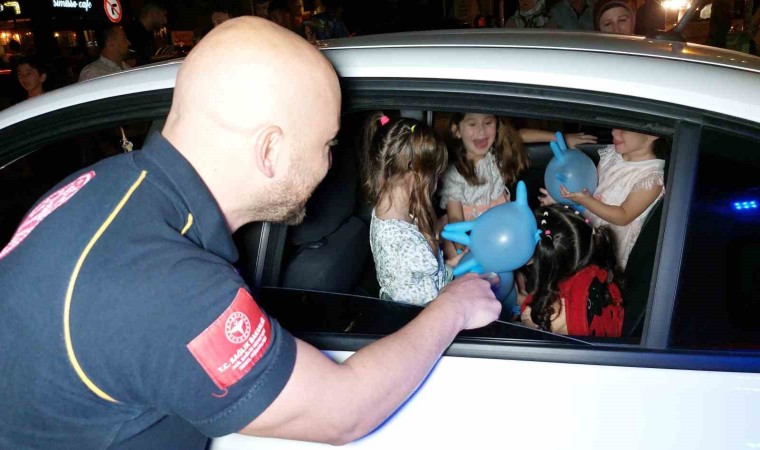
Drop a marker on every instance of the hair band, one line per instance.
(384, 120)
(413, 127)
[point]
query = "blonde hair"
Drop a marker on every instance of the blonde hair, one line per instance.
(400, 147)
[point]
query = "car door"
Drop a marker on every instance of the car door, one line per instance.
(687, 379)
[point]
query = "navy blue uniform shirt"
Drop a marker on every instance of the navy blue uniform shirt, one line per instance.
(123, 323)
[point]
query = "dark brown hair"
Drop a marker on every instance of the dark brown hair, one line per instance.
(508, 150)
(392, 151)
(571, 245)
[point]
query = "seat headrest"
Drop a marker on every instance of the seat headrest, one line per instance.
(332, 203)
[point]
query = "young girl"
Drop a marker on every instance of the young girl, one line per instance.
(631, 179)
(488, 156)
(403, 160)
(575, 278)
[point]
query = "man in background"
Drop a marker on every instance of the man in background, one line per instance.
(141, 32)
(114, 50)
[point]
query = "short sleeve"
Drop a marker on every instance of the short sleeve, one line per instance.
(649, 181)
(180, 333)
(453, 187)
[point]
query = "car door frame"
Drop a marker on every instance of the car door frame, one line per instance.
(682, 123)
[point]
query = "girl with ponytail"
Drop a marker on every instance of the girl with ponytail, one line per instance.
(576, 278)
(403, 160)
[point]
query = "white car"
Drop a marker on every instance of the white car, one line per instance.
(685, 373)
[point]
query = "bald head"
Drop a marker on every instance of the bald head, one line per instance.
(249, 98)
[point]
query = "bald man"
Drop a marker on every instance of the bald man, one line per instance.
(123, 322)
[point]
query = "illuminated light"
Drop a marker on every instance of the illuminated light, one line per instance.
(56, 35)
(676, 4)
(745, 205)
(15, 5)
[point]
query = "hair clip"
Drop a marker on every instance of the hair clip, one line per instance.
(577, 212)
(588, 221)
(383, 120)
(548, 233)
(546, 213)
(413, 127)
(543, 222)
(567, 207)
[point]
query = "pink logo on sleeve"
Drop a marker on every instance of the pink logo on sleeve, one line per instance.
(44, 209)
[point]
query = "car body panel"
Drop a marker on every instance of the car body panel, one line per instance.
(487, 403)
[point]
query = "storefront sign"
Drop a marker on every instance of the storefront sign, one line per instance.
(113, 10)
(72, 4)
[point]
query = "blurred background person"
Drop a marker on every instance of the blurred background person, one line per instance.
(529, 14)
(614, 17)
(572, 15)
(279, 13)
(141, 32)
(650, 17)
(114, 50)
(261, 8)
(32, 74)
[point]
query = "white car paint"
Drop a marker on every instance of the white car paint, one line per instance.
(473, 403)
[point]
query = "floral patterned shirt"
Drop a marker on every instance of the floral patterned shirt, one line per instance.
(407, 269)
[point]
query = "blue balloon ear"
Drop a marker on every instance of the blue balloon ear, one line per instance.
(558, 154)
(561, 141)
(538, 236)
(522, 193)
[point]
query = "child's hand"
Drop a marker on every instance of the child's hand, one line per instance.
(577, 197)
(453, 262)
(575, 139)
(545, 199)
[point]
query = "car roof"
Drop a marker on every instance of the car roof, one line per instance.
(578, 41)
(700, 77)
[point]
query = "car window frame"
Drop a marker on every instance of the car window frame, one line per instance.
(683, 124)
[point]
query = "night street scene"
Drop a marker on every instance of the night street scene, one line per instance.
(386, 224)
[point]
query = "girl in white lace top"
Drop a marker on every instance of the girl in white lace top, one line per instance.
(631, 180)
(403, 160)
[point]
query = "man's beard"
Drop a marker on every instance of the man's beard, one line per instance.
(288, 199)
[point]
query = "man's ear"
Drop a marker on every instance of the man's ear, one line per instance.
(267, 148)
(43, 78)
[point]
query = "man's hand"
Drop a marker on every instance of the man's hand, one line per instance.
(475, 299)
(546, 199)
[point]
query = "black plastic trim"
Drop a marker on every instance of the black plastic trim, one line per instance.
(678, 196)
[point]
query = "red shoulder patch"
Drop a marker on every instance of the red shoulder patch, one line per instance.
(44, 209)
(232, 345)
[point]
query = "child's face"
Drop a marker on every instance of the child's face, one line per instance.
(477, 132)
(29, 77)
(627, 142)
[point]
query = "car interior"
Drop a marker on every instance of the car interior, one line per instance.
(329, 251)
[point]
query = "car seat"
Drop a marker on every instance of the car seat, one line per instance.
(327, 252)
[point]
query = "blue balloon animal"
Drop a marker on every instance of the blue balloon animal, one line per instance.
(501, 240)
(572, 168)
